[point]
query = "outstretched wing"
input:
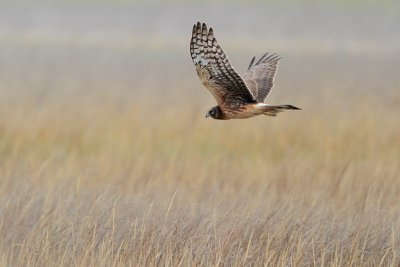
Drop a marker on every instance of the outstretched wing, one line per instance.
(260, 76)
(214, 68)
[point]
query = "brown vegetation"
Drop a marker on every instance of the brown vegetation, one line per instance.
(106, 158)
(99, 186)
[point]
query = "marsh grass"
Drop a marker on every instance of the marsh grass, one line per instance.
(106, 158)
(100, 186)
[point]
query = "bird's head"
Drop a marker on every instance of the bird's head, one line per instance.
(215, 113)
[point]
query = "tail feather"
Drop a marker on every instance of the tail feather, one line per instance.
(274, 110)
(287, 107)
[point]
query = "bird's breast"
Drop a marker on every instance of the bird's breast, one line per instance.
(241, 111)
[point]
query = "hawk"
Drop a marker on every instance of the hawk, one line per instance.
(237, 97)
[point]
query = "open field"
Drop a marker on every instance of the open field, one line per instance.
(114, 188)
(106, 158)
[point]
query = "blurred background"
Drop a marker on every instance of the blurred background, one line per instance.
(68, 52)
(106, 158)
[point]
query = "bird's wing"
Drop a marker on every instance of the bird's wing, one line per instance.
(259, 77)
(214, 68)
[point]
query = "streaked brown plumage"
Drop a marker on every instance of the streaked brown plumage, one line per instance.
(237, 97)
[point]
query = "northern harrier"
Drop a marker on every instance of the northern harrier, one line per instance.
(237, 97)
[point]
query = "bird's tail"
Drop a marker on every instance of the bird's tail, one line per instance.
(274, 110)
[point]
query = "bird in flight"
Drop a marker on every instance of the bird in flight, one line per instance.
(237, 97)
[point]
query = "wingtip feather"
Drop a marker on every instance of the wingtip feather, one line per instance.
(194, 29)
(261, 58)
(251, 62)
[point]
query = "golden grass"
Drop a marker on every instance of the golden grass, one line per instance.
(97, 185)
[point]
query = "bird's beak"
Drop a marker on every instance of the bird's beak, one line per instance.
(207, 115)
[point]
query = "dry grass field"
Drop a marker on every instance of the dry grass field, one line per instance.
(105, 164)
(111, 188)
